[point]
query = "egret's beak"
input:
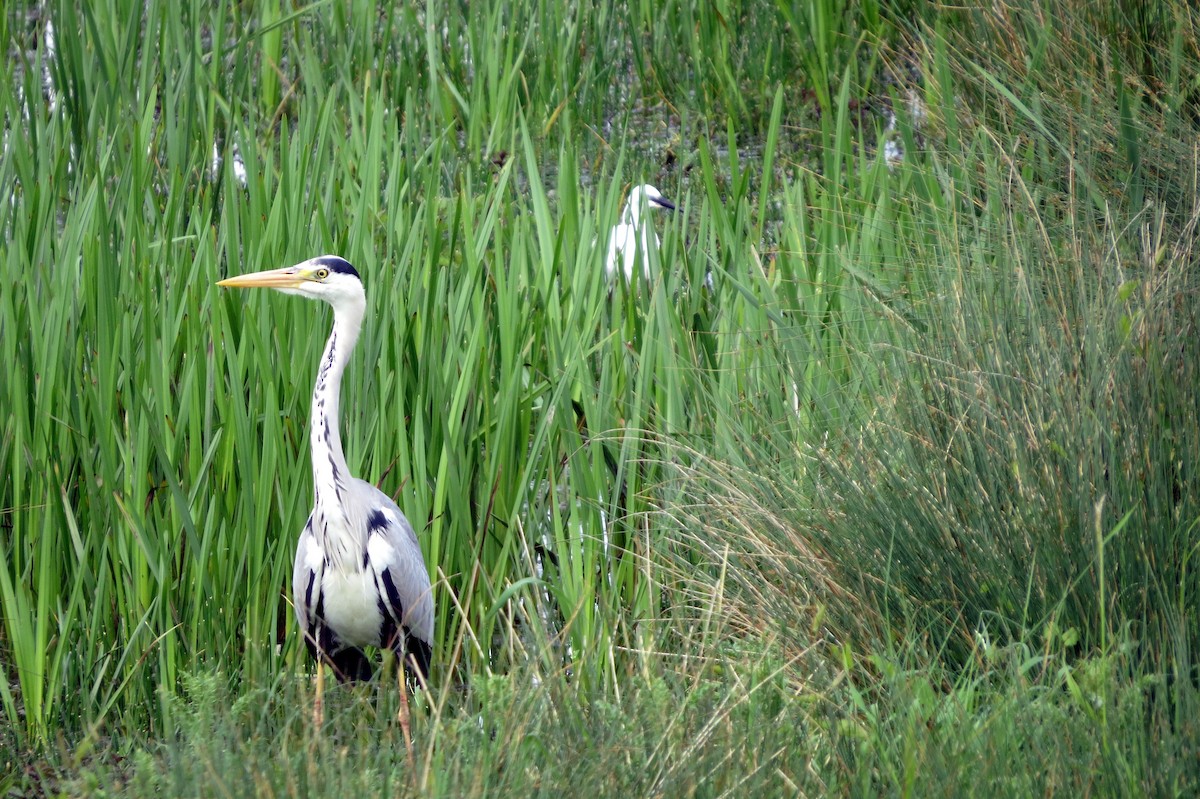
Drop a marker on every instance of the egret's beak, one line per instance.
(663, 202)
(287, 278)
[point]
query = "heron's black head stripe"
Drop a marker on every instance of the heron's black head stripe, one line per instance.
(337, 264)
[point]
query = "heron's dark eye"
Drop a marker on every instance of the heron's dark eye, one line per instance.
(321, 273)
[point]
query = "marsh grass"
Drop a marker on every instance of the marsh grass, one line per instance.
(909, 483)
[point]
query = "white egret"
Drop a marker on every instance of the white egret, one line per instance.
(630, 237)
(359, 578)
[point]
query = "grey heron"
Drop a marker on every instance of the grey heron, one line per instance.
(359, 577)
(629, 236)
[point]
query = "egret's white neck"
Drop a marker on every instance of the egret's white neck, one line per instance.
(633, 212)
(331, 476)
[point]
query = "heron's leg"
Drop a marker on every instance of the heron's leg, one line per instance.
(319, 701)
(405, 717)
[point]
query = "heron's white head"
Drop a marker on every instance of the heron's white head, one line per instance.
(326, 277)
(644, 196)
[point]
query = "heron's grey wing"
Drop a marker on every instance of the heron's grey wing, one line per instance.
(306, 584)
(395, 555)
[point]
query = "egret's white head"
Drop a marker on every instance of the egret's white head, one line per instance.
(326, 277)
(644, 196)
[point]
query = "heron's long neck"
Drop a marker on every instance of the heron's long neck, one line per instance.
(330, 473)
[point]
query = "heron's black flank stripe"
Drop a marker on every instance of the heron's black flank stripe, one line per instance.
(320, 637)
(376, 521)
(387, 627)
(393, 596)
(336, 264)
(419, 652)
(416, 653)
(308, 598)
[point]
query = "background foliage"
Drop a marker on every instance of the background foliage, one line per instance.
(905, 501)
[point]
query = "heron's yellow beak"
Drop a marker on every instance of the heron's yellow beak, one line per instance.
(287, 278)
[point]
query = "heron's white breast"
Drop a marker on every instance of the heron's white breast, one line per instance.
(352, 606)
